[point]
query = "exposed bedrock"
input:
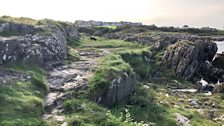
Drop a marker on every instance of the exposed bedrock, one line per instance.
(188, 59)
(35, 47)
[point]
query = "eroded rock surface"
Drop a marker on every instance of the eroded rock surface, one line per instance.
(70, 77)
(33, 46)
(119, 89)
(186, 57)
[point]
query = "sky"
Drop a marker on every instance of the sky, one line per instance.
(195, 13)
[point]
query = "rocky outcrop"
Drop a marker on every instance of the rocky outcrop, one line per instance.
(17, 28)
(36, 49)
(33, 46)
(119, 89)
(186, 57)
(160, 41)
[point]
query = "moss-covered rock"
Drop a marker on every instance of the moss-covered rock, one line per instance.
(113, 81)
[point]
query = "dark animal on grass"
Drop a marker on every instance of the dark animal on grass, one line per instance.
(93, 38)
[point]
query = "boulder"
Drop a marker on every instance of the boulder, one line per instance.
(185, 57)
(119, 89)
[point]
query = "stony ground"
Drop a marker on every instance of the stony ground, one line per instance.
(69, 77)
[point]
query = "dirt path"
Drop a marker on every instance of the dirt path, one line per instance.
(65, 78)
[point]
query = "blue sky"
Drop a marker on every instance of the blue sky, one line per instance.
(195, 13)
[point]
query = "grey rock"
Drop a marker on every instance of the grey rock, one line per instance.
(34, 47)
(219, 61)
(211, 73)
(7, 77)
(161, 45)
(4, 27)
(147, 56)
(17, 28)
(71, 32)
(186, 57)
(119, 89)
(182, 120)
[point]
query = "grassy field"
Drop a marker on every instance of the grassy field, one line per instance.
(85, 42)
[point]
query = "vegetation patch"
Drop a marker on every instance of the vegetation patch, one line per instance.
(111, 67)
(21, 20)
(110, 27)
(22, 102)
(83, 112)
(85, 42)
(136, 61)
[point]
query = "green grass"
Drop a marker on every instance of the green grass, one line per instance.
(143, 107)
(135, 59)
(111, 67)
(143, 68)
(85, 42)
(21, 20)
(72, 55)
(152, 105)
(22, 102)
(83, 112)
(110, 27)
(42, 24)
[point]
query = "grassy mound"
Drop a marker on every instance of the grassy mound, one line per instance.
(111, 67)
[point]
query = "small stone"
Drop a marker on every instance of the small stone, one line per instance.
(182, 120)
(146, 86)
(59, 118)
(208, 93)
(167, 95)
(64, 124)
(4, 57)
(200, 111)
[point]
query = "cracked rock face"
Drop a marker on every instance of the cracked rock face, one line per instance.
(186, 57)
(119, 89)
(33, 47)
